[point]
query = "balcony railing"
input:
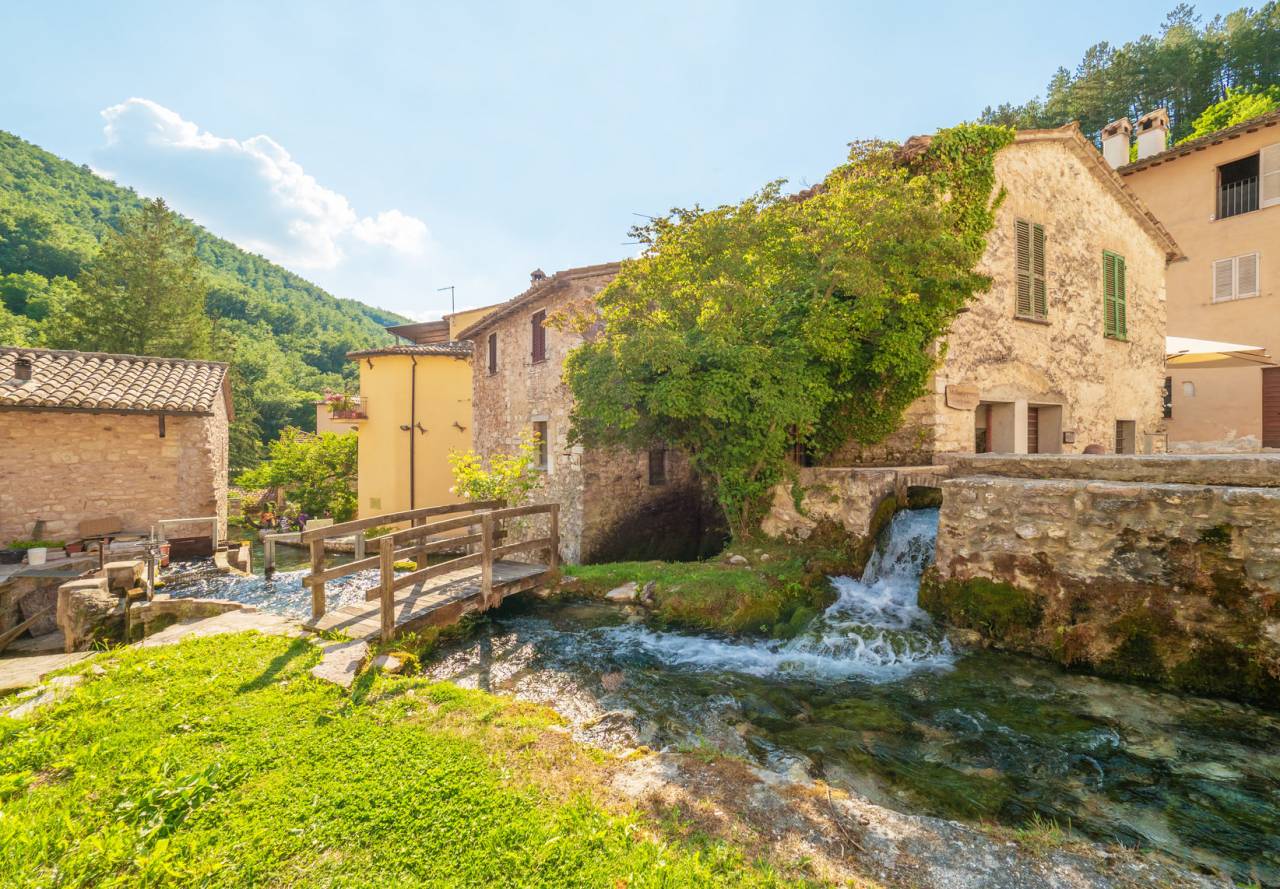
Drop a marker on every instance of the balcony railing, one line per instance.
(1238, 197)
(353, 407)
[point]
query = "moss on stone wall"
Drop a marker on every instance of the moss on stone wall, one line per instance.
(995, 609)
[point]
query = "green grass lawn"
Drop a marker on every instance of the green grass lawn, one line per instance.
(221, 762)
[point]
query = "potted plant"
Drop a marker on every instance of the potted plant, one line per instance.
(341, 405)
(37, 551)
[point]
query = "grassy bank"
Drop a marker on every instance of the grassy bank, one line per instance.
(779, 588)
(221, 762)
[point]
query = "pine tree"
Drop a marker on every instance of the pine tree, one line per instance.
(144, 294)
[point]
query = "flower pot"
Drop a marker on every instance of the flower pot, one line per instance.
(72, 549)
(36, 555)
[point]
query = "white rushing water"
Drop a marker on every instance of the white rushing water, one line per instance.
(874, 630)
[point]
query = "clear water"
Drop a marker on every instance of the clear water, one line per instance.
(872, 698)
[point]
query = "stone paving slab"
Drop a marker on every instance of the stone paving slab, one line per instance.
(230, 622)
(25, 672)
(341, 662)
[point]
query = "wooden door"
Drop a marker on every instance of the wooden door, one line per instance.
(1033, 430)
(1271, 407)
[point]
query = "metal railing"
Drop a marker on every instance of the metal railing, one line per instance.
(1238, 197)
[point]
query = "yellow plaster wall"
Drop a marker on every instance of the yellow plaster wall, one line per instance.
(443, 409)
(1227, 409)
(460, 321)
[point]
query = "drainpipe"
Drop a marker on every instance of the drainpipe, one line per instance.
(413, 424)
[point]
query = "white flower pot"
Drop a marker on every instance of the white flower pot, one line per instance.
(36, 555)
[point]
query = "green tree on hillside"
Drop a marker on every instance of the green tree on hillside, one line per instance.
(144, 293)
(1239, 105)
(744, 328)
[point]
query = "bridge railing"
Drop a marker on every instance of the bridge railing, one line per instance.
(490, 538)
(314, 538)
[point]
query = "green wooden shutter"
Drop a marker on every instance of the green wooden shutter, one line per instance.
(1108, 294)
(1039, 297)
(1114, 309)
(1122, 322)
(1023, 232)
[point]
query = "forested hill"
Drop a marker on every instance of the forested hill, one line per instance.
(1190, 65)
(287, 337)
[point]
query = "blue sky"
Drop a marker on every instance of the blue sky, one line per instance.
(384, 150)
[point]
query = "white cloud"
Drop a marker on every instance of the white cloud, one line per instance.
(250, 191)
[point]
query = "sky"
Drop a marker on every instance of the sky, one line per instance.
(386, 150)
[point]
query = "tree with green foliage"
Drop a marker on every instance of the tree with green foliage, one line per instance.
(144, 292)
(318, 472)
(1189, 66)
(1239, 105)
(508, 477)
(745, 328)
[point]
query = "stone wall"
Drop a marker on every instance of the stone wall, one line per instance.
(607, 507)
(1241, 470)
(1082, 381)
(1176, 584)
(68, 466)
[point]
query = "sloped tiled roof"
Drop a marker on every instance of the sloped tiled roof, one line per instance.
(65, 380)
(456, 349)
(1253, 124)
(540, 288)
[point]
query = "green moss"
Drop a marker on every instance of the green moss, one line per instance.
(923, 497)
(1218, 668)
(1138, 655)
(865, 714)
(1218, 536)
(993, 608)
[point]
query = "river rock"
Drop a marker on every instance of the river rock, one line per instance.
(388, 663)
(646, 593)
(737, 559)
(341, 662)
(87, 610)
(624, 593)
(612, 681)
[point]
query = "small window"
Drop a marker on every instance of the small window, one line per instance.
(657, 466)
(1238, 187)
(539, 330)
(1032, 299)
(1168, 398)
(1235, 278)
(540, 435)
(493, 353)
(1115, 324)
(1126, 437)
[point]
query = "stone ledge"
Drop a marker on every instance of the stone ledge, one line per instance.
(1231, 470)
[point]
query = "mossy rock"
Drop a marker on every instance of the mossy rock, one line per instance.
(1218, 668)
(994, 608)
(864, 714)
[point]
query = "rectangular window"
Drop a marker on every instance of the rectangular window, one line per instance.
(1238, 187)
(1114, 309)
(540, 433)
(1235, 278)
(1032, 300)
(657, 466)
(1126, 437)
(539, 330)
(1168, 398)
(1270, 168)
(493, 353)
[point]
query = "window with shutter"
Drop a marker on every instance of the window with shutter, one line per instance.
(1269, 164)
(1224, 280)
(1114, 309)
(1246, 275)
(1032, 294)
(1235, 278)
(493, 353)
(539, 330)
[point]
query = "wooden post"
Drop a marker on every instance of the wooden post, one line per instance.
(553, 559)
(268, 554)
(387, 566)
(317, 584)
(486, 560)
(359, 546)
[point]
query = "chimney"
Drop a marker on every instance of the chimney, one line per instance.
(1115, 142)
(22, 369)
(1153, 133)
(537, 275)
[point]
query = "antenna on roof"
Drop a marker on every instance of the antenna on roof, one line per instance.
(452, 308)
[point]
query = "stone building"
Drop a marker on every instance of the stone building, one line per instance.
(1220, 197)
(1067, 348)
(615, 504)
(87, 436)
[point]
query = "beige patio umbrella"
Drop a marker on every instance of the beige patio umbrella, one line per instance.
(1186, 352)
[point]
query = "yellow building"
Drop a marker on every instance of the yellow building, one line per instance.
(1219, 196)
(413, 410)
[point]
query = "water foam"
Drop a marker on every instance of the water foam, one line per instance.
(874, 630)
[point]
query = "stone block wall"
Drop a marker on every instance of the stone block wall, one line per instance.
(68, 466)
(608, 510)
(1239, 470)
(1171, 583)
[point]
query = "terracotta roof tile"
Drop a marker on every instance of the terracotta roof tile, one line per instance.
(66, 380)
(541, 287)
(457, 349)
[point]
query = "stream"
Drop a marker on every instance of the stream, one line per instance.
(872, 698)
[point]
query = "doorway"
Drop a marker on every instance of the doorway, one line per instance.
(1271, 407)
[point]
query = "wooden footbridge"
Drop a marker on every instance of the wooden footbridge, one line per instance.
(439, 594)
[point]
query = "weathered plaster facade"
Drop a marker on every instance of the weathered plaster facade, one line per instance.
(68, 466)
(1081, 381)
(608, 509)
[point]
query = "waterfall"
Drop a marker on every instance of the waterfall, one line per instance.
(874, 630)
